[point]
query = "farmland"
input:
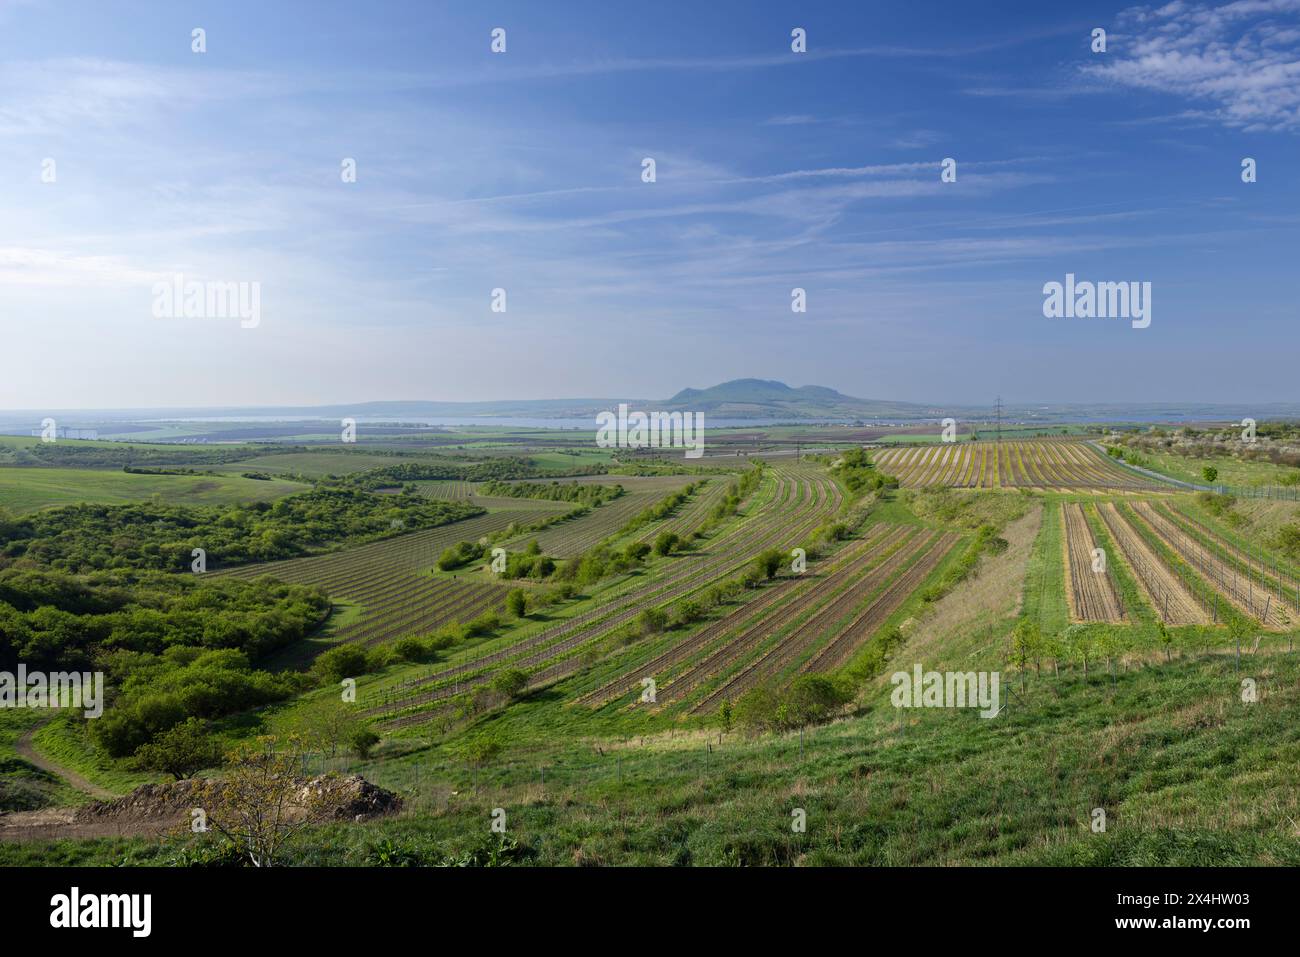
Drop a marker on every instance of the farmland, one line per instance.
(669, 649)
(1040, 463)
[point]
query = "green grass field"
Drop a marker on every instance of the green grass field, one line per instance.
(1231, 471)
(29, 489)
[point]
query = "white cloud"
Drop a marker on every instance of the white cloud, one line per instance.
(1241, 59)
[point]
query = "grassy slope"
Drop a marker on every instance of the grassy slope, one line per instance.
(24, 786)
(1231, 471)
(1187, 773)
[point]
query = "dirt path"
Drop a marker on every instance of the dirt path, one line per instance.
(28, 753)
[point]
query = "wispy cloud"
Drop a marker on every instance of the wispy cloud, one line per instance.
(1241, 59)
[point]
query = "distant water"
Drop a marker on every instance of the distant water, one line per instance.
(481, 421)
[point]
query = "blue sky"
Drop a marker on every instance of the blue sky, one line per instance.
(522, 171)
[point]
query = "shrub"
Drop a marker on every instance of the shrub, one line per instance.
(180, 751)
(665, 543)
(345, 661)
(361, 742)
(651, 621)
(510, 682)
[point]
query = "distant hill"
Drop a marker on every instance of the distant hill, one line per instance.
(738, 399)
(767, 398)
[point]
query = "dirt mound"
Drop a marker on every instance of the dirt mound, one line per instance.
(358, 799)
(353, 798)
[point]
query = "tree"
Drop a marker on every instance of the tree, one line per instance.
(181, 751)
(651, 621)
(326, 728)
(1210, 474)
(510, 682)
(362, 740)
(481, 750)
(1026, 645)
(666, 542)
(517, 603)
(346, 661)
(769, 562)
(262, 803)
(724, 713)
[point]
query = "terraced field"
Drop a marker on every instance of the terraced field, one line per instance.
(710, 646)
(574, 537)
(802, 499)
(447, 489)
(1036, 463)
(844, 617)
(389, 579)
(1091, 592)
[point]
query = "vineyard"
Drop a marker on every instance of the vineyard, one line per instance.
(575, 536)
(389, 579)
(1090, 583)
(801, 499)
(1043, 463)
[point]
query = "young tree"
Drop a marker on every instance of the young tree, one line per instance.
(769, 562)
(1026, 644)
(362, 741)
(262, 803)
(510, 682)
(181, 751)
(651, 621)
(328, 727)
(517, 603)
(1210, 474)
(665, 543)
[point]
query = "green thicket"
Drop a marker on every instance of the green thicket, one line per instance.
(859, 475)
(580, 492)
(55, 621)
(156, 693)
(157, 536)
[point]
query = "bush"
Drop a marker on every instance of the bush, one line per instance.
(517, 603)
(411, 648)
(361, 742)
(510, 682)
(688, 611)
(651, 621)
(769, 562)
(181, 751)
(345, 661)
(460, 554)
(665, 543)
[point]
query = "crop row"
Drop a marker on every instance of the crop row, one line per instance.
(1032, 464)
(786, 589)
(1090, 587)
(560, 644)
(785, 651)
